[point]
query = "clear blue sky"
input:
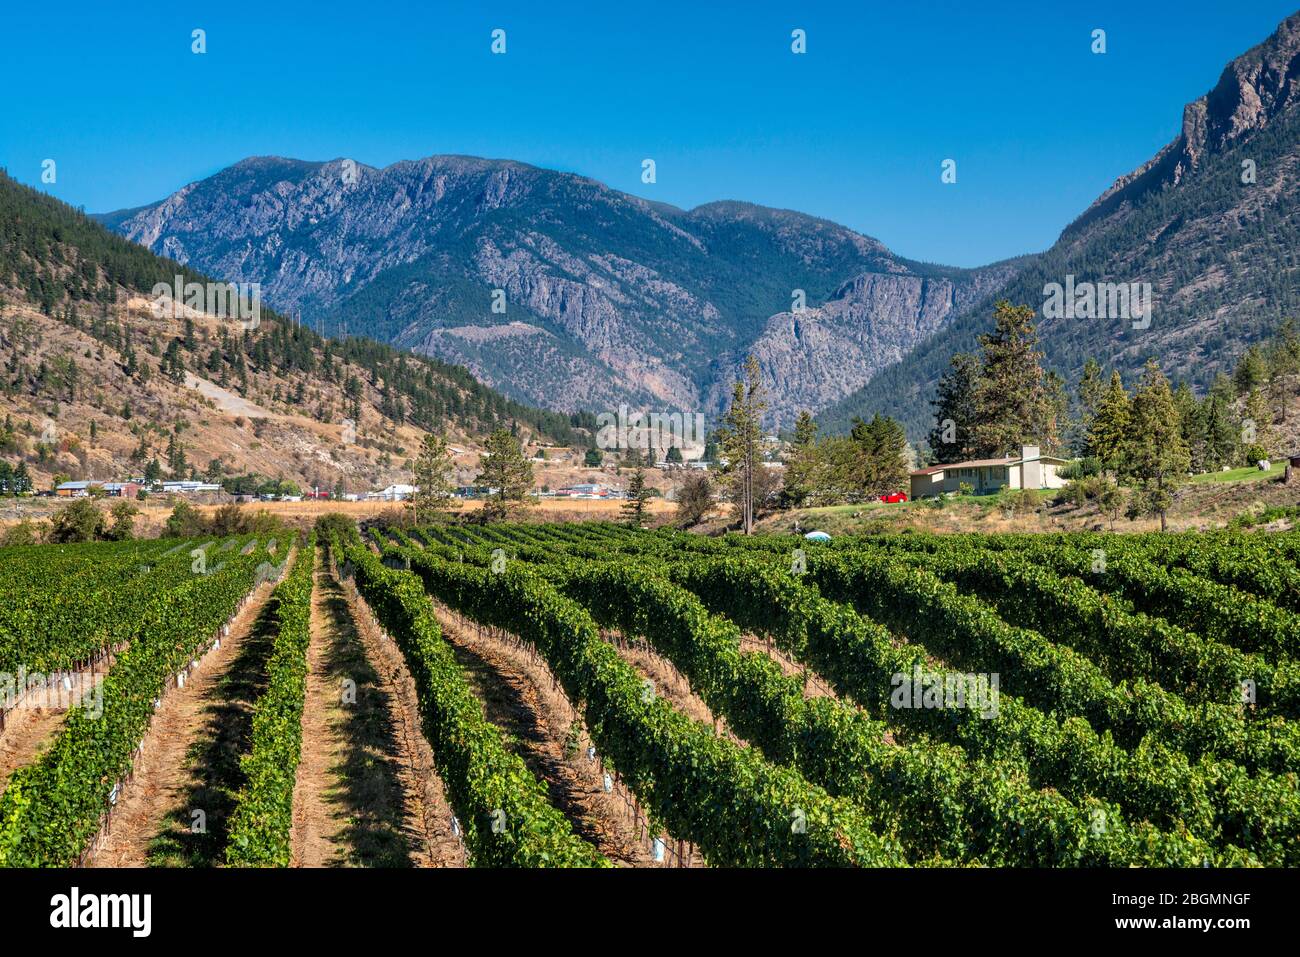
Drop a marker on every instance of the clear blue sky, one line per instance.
(854, 130)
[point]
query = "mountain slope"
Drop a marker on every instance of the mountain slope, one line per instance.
(607, 297)
(1221, 254)
(95, 382)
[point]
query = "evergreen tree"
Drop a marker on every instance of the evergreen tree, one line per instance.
(1192, 421)
(173, 365)
(1092, 386)
(1258, 436)
(1251, 372)
(1157, 456)
(1011, 398)
(176, 461)
(801, 467)
(1219, 425)
(1283, 366)
(637, 496)
(1058, 408)
(955, 413)
(882, 450)
(741, 438)
(433, 480)
(505, 469)
(1110, 424)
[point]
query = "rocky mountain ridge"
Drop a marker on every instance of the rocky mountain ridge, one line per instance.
(604, 297)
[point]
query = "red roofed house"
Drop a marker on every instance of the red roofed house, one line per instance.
(1029, 469)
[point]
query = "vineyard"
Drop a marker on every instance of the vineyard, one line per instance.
(587, 695)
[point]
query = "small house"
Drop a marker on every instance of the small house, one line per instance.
(1029, 469)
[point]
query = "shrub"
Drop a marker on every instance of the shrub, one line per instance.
(123, 528)
(78, 521)
(694, 499)
(24, 533)
(184, 522)
(228, 520)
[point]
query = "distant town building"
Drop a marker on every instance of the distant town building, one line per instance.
(190, 487)
(127, 489)
(393, 493)
(588, 490)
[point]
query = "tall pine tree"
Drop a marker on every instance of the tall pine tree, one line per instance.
(1012, 401)
(505, 469)
(801, 467)
(742, 442)
(433, 480)
(955, 412)
(1157, 456)
(1110, 425)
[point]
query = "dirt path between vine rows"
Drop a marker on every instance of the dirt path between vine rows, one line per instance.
(521, 698)
(669, 683)
(36, 718)
(165, 773)
(368, 793)
(814, 685)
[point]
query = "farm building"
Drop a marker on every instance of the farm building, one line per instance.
(393, 493)
(74, 489)
(1029, 469)
(126, 489)
(189, 487)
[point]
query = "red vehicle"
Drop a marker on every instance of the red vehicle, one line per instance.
(894, 497)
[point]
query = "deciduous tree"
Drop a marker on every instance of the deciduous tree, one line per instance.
(694, 499)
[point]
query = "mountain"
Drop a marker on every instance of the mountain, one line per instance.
(608, 298)
(1219, 250)
(96, 382)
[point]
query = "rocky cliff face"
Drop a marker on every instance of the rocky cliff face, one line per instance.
(1253, 91)
(605, 298)
(1211, 223)
(815, 357)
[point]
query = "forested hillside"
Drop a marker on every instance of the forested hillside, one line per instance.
(97, 384)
